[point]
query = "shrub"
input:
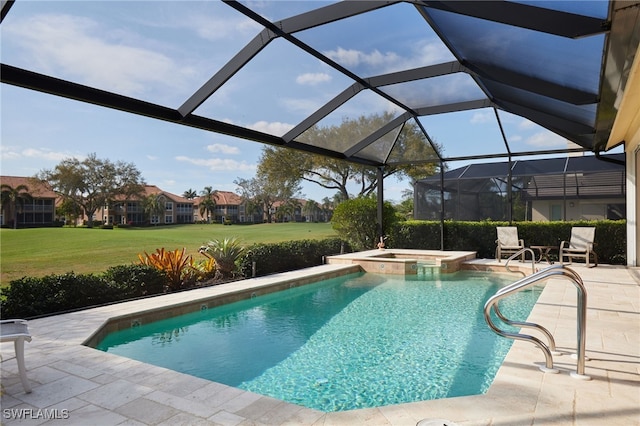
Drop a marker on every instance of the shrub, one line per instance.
(356, 221)
(288, 256)
(135, 280)
(28, 297)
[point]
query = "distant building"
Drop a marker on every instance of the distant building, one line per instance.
(229, 207)
(177, 209)
(39, 211)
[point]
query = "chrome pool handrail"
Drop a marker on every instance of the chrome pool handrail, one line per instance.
(518, 253)
(555, 270)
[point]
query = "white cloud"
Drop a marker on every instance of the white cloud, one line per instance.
(313, 79)
(273, 128)
(353, 58)
(214, 28)
(526, 124)
(15, 153)
(223, 148)
(152, 157)
(302, 106)
(482, 117)
(546, 139)
(218, 164)
(79, 48)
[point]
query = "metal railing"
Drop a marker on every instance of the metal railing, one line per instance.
(522, 251)
(548, 349)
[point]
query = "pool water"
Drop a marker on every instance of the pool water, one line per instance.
(362, 340)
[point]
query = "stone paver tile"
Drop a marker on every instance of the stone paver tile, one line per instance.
(175, 383)
(23, 414)
(255, 406)
(185, 419)
(182, 404)
(304, 416)
(58, 391)
(75, 369)
(45, 374)
(240, 402)
(146, 411)
(223, 418)
(93, 415)
(365, 417)
(115, 394)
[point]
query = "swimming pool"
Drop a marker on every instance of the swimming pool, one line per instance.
(357, 341)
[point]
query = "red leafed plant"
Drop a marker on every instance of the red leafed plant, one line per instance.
(175, 264)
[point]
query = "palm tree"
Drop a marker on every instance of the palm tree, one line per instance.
(154, 205)
(208, 202)
(311, 209)
(190, 194)
(15, 198)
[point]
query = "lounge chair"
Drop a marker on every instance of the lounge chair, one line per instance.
(16, 331)
(508, 242)
(580, 245)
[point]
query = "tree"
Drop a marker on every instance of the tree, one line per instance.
(265, 189)
(288, 209)
(93, 183)
(69, 209)
(311, 209)
(190, 194)
(356, 221)
(335, 174)
(15, 199)
(208, 202)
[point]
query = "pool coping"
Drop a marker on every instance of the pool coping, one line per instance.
(93, 385)
(403, 261)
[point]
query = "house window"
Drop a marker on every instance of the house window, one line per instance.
(168, 219)
(556, 212)
(616, 211)
(155, 220)
(168, 206)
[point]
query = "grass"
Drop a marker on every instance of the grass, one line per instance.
(43, 251)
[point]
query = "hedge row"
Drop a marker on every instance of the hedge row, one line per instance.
(288, 256)
(30, 297)
(610, 239)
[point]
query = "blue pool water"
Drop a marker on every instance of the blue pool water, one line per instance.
(362, 340)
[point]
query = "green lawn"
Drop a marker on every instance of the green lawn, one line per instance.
(43, 251)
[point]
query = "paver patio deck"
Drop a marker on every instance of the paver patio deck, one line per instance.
(85, 386)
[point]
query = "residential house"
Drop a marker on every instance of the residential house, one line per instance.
(39, 211)
(175, 209)
(229, 207)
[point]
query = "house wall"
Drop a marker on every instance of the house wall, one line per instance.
(543, 210)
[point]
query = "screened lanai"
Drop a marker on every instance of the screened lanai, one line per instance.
(568, 188)
(226, 67)
(411, 75)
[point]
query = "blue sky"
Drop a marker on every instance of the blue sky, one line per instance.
(163, 51)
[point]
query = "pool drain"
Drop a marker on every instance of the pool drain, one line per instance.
(435, 422)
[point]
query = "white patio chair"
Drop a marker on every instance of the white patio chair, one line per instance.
(580, 245)
(508, 242)
(16, 331)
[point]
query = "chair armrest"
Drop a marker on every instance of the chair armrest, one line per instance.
(564, 244)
